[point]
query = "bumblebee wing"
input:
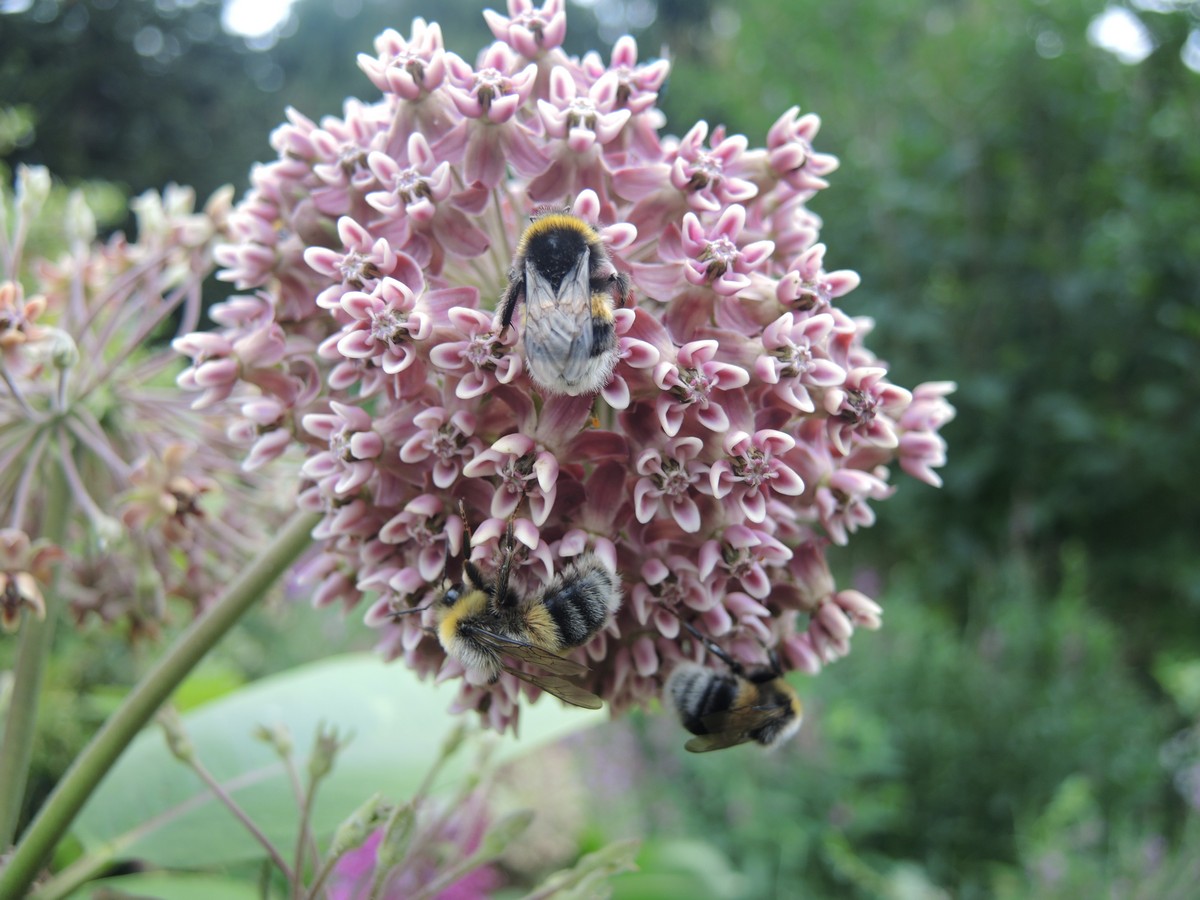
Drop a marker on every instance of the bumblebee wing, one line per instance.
(728, 729)
(719, 741)
(558, 325)
(527, 652)
(564, 690)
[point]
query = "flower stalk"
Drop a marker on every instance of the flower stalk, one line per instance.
(93, 763)
(37, 635)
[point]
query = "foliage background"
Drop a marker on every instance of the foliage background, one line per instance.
(1023, 208)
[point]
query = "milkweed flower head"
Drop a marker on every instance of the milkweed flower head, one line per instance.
(155, 504)
(746, 426)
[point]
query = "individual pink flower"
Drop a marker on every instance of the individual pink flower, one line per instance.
(711, 176)
(714, 257)
(361, 267)
(25, 565)
(796, 359)
(806, 287)
(690, 386)
(581, 125)
(791, 154)
(743, 555)
(921, 448)
(353, 447)
(752, 470)
(523, 472)
(435, 535)
(863, 408)
(634, 87)
(842, 502)
(482, 358)
(530, 30)
(670, 481)
(415, 198)
(447, 439)
(490, 136)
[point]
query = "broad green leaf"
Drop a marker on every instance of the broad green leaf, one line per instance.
(154, 808)
(166, 886)
(680, 868)
(209, 682)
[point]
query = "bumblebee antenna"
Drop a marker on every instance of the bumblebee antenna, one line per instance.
(462, 514)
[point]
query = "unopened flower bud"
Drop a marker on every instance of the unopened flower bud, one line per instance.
(60, 348)
(358, 827)
(325, 750)
(33, 187)
(80, 220)
(396, 836)
(178, 742)
(277, 736)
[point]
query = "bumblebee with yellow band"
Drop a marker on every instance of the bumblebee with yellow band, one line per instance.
(569, 285)
(481, 622)
(724, 709)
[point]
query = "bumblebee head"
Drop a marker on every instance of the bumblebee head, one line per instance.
(553, 244)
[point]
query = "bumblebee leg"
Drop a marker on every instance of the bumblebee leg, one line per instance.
(622, 289)
(734, 665)
(512, 296)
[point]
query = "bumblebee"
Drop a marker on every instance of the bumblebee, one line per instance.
(481, 623)
(569, 286)
(724, 709)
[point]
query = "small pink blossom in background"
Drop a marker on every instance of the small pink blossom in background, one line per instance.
(444, 840)
(746, 428)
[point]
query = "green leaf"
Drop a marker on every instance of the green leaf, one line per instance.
(153, 808)
(165, 886)
(209, 682)
(680, 868)
(590, 876)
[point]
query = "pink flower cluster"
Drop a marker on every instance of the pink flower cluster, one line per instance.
(149, 502)
(746, 426)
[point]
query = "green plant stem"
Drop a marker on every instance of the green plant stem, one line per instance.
(241, 815)
(304, 800)
(78, 873)
(323, 874)
(303, 836)
(144, 700)
(19, 726)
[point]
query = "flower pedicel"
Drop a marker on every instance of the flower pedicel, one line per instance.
(745, 425)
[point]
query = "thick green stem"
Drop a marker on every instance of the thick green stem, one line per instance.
(36, 637)
(144, 700)
(17, 748)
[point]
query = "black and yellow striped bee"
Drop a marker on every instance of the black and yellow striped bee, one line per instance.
(483, 623)
(568, 283)
(724, 709)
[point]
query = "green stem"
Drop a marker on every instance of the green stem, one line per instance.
(36, 637)
(242, 816)
(144, 700)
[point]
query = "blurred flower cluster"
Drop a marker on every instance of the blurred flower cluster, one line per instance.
(93, 431)
(746, 426)
(442, 839)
